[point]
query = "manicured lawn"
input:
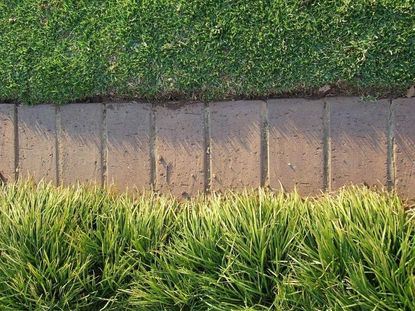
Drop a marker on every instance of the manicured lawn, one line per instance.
(80, 249)
(61, 51)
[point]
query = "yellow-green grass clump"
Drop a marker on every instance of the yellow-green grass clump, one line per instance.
(87, 249)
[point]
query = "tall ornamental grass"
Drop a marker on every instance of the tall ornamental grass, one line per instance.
(89, 249)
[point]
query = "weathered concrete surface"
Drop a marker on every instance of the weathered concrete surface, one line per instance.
(37, 143)
(81, 143)
(358, 141)
(296, 145)
(190, 149)
(235, 143)
(405, 146)
(7, 143)
(180, 150)
(128, 136)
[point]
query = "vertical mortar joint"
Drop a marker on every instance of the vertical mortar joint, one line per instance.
(390, 169)
(58, 144)
(264, 130)
(104, 146)
(207, 149)
(16, 143)
(152, 149)
(327, 174)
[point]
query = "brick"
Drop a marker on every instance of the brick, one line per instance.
(405, 147)
(235, 142)
(37, 143)
(7, 143)
(180, 150)
(296, 145)
(128, 128)
(80, 141)
(358, 141)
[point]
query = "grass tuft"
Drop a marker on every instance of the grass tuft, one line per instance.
(87, 249)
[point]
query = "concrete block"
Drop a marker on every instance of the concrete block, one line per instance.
(359, 132)
(37, 143)
(180, 150)
(81, 143)
(405, 146)
(235, 143)
(296, 145)
(128, 134)
(7, 143)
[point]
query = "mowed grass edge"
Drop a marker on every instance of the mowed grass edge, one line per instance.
(73, 51)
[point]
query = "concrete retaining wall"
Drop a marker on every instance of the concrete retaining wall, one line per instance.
(312, 145)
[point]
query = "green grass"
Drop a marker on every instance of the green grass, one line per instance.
(89, 249)
(61, 51)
